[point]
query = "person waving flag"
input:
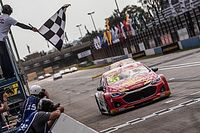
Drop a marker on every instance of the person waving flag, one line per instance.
(53, 29)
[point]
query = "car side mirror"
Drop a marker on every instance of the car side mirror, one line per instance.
(155, 69)
(100, 88)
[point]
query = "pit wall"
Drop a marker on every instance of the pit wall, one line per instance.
(181, 45)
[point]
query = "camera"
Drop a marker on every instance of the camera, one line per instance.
(47, 105)
(42, 94)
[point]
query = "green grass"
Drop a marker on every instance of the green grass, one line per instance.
(92, 67)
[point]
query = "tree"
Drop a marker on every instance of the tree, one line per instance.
(136, 13)
(155, 7)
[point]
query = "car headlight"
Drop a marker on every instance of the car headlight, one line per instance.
(154, 81)
(117, 94)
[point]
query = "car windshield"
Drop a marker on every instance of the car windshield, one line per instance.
(121, 63)
(122, 74)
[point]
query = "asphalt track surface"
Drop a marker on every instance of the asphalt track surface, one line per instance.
(180, 113)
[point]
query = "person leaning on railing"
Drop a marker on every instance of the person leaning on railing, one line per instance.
(41, 120)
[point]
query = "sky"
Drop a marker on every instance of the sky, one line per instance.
(36, 12)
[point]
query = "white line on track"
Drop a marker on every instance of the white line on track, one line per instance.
(184, 64)
(171, 79)
(170, 101)
(195, 93)
(175, 67)
(157, 113)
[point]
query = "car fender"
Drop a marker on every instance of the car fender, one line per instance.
(101, 100)
(164, 80)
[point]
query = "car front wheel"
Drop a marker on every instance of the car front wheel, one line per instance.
(98, 105)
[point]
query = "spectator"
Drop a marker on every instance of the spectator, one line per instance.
(3, 108)
(41, 121)
(5, 24)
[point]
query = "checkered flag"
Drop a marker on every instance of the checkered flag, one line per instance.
(53, 29)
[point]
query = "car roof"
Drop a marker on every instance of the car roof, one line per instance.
(132, 65)
(121, 63)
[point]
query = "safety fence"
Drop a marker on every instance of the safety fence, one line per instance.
(169, 31)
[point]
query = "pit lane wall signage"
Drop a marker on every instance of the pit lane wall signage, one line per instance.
(138, 54)
(84, 54)
(67, 124)
(183, 34)
(170, 48)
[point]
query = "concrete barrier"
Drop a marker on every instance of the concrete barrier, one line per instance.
(180, 45)
(138, 54)
(190, 43)
(118, 58)
(100, 62)
(111, 59)
(158, 50)
(66, 124)
(149, 52)
(170, 48)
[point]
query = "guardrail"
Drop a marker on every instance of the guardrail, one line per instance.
(67, 124)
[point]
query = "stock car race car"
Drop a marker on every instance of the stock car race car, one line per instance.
(128, 86)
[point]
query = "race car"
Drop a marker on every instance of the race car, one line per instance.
(130, 85)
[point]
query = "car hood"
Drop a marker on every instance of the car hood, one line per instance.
(132, 83)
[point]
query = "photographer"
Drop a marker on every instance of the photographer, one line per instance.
(3, 108)
(31, 103)
(41, 121)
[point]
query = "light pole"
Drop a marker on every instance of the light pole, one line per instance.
(90, 13)
(79, 27)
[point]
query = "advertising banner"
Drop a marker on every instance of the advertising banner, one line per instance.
(125, 51)
(183, 34)
(141, 46)
(166, 39)
(133, 49)
(152, 43)
(170, 48)
(84, 54)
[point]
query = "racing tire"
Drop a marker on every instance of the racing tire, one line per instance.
(98, 105)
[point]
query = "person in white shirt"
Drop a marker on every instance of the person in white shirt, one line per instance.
(5, 24)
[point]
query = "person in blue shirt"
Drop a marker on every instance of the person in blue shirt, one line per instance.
(31, 103)
(41, 120)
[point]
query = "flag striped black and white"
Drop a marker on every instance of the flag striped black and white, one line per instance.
(53, 29)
